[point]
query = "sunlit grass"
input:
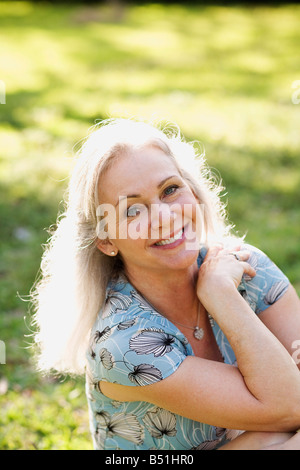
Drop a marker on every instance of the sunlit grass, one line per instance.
(224, 74)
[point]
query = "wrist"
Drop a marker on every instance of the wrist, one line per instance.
(215, 292)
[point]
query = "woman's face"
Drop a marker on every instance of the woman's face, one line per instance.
(154, 214)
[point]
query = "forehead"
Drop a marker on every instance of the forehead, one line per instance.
(136, 172)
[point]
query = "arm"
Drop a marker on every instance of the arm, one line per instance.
(268, 371)
(283, 320)
(260, 395)
(266, 367)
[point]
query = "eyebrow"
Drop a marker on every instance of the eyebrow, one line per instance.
(131, 196)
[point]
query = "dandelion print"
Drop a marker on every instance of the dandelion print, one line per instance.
(145, 374)
(160, 422)
(275, 293)
(102, 335)
(125, 324)
(118, 302)
(106, 358)
(151, 341)
(126, 426)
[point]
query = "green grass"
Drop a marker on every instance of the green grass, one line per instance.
(224, 74)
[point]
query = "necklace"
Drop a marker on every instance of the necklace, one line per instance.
(198, 332)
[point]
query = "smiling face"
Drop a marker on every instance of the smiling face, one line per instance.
(156, 213)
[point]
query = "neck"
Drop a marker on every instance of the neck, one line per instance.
(170, 294)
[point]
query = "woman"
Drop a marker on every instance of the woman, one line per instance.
(187, 332)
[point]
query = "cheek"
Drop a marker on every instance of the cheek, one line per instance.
(106, 222)
(190, 209)
(135, 229)
(197, 229)
(194, 220)
(194, 210)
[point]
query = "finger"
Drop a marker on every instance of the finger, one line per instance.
(213, 251)
(242, 255)
(230, 247)
(248, 269)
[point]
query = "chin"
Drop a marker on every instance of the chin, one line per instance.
(182, 260)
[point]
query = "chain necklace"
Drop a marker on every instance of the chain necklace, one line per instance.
(198, 332)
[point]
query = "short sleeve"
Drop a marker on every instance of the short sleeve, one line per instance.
(134, 351)
(269, 284)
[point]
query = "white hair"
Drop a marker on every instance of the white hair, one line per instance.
(74, 273)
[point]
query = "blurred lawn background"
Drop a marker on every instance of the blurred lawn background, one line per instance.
(223, 73)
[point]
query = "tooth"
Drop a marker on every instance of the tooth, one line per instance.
(170, 240)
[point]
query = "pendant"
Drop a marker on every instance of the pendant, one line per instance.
(198, 333)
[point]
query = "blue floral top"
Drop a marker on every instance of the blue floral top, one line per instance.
(131, 344)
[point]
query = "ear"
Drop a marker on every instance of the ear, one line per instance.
(107, 247)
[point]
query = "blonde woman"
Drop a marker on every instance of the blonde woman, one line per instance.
(184, 332)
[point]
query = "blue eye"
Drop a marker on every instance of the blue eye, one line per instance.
(171, 189)
(134, 210)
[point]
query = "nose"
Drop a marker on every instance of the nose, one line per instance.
(162, 217)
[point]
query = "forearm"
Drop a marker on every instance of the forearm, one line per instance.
(293, 443)
(268, 370)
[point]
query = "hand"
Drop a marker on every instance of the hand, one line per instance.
(221, 269)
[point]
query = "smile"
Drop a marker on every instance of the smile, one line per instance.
(168, 241)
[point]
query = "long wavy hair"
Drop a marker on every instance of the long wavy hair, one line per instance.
(74, 273)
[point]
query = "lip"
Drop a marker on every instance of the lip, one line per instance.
(170, 245)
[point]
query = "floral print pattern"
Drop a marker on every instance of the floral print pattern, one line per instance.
(132, 344)
(121, 425)
(145, 374)
(160, 422)
(152, 341)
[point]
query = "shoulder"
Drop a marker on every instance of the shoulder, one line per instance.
(130, 343)
(269, 284)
